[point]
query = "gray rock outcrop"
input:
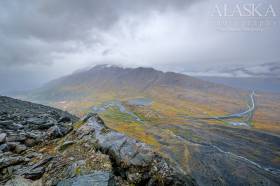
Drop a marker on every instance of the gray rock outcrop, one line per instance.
(133, 160)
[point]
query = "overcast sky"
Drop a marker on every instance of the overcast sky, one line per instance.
(45, 39)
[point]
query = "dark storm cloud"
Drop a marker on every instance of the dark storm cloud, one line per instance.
(31, 31)
(37, 35)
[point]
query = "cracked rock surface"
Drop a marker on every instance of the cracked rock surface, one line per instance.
(134, 160)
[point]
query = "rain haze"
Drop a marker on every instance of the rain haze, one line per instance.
(43, 40)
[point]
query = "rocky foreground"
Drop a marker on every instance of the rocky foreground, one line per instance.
(40, 145)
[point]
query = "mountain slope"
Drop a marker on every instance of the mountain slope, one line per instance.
(169, 111)
(172, 94)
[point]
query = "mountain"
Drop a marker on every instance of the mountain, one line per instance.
(206, 129)
(102, 83)
(41, 145)
(104, 78)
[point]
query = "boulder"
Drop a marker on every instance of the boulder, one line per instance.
(16, 137)
(35, 173)
(34, 137)
(20, 148)
(3, 137)
(41, 123)
(43, 162)
(57, 131)
(98, 178)
(8, 159)
(12, 145)
(9, 124)
(64, 119)
(6, 123)
(37, 170)
(4, 148)
(29, 142)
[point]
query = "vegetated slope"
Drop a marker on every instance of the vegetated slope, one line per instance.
(178, 93)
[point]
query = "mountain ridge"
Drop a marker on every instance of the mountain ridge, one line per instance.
(140, 79)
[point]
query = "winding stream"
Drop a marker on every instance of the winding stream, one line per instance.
(249, 112)
(268, 169)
